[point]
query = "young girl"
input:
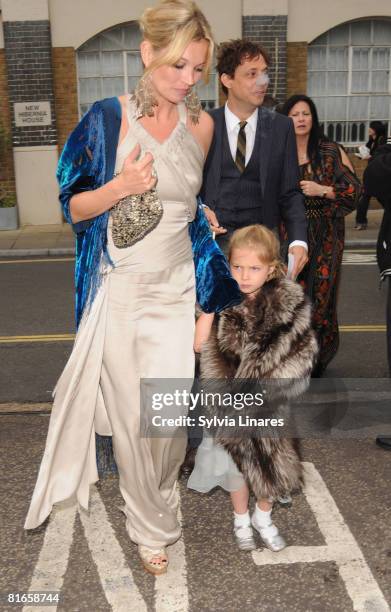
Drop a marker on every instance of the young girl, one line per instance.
(268, 335)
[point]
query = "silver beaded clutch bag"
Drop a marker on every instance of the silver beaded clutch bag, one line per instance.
(134, 217)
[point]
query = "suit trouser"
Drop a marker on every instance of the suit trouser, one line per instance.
(223, 242)
(362, 209)
(388, 321)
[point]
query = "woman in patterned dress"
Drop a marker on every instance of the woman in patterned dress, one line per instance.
(331, 190)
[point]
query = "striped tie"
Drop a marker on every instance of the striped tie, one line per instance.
(240, 159)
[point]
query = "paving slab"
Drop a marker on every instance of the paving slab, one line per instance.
(42, 229)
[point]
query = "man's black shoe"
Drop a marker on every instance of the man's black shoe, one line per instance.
(188, 464)
(383, 442)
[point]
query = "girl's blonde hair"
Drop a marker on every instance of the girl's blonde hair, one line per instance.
(173, 25)
(263, 241)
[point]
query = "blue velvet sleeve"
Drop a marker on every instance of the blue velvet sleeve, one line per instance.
(215, 287)
(80, 162)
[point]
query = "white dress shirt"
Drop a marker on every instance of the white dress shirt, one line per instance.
(232, 124)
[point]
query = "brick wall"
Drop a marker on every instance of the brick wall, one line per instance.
(296, 68)
(7, 176)
(65, 91)
(271, 32)
(29, 68)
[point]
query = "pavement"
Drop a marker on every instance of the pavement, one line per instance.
(57, 240)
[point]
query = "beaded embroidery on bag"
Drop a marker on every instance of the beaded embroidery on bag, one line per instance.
(134, 217)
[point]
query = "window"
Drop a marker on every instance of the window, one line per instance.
(349, 78)
(110, 64)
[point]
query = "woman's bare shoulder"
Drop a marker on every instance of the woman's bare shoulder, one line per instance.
(345, 159)
(203, 131)
(122, 99)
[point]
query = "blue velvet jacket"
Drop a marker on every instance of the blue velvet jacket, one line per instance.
(87, 162)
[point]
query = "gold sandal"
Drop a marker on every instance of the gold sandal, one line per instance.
(147, 556)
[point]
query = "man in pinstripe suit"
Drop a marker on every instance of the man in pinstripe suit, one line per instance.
(251, 173)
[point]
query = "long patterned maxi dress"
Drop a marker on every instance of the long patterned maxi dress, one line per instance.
(141, 325)
(326, 237)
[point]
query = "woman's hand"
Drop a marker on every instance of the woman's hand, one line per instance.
(136, 177)
(314, 190)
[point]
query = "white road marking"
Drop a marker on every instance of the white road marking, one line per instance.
(115, 575)
(171, 590)
(53, 559)
(341, 548)
(359, 259)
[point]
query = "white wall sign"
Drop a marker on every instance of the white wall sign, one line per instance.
(32, 113)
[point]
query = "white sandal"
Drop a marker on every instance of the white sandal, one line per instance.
(148, 557)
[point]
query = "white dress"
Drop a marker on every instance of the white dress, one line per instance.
(214, 467)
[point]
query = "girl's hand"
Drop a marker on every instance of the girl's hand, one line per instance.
(202, 330)
(136, 177)
(312, 189)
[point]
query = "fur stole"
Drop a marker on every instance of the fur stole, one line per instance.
(269, 337)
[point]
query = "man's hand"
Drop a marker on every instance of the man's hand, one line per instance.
(301, 257)
(213, 222)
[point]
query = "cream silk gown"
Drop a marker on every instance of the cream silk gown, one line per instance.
(140, 325)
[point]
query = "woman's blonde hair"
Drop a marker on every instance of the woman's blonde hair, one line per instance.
(263, 241)
(173, 25)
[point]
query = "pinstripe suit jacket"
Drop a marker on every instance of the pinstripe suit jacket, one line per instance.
(279, 171)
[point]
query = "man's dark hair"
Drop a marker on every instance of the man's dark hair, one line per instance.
(234, 52)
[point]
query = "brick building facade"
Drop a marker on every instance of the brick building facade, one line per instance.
(42, 43)
(271, 32)
(7, 175)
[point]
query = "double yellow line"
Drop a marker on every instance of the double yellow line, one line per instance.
(37, 338)
(362, 328)
(38, 260)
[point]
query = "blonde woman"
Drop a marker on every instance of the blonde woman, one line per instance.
(129, 176)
